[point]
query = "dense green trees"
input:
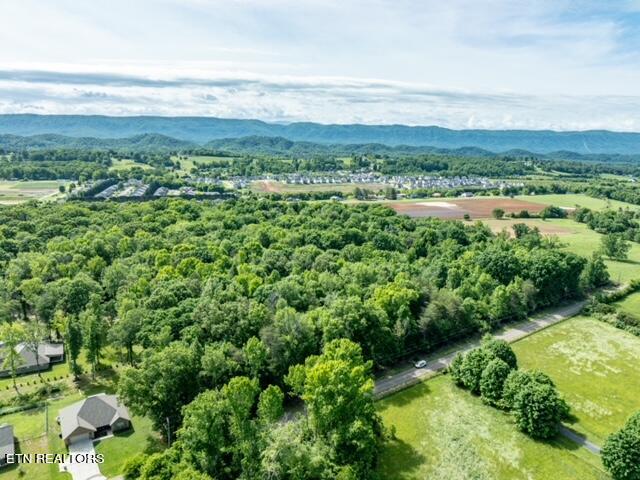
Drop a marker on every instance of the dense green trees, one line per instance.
(621, 451)
(614, 246)
(491, 371)
(196, 294)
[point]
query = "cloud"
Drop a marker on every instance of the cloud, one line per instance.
(323, 99)
(563, 64)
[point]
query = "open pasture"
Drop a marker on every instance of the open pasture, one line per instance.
(575, 200)
(444, 432)
(476, 207)
(12, 192)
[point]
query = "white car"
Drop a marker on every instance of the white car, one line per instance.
(420, 364)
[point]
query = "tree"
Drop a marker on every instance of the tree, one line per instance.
(518, 380)
(538, 410)
(73, 342)
(621, 451)
(124, 332)
(498, 213)
(595, 273)
(270, 407)
(337, 389)
(255, 355)
(161, 385)
(12, 334)
(500, 349)
(472, 367)
(93, 332)
(613, 245)
(34, 333)
(492, 381)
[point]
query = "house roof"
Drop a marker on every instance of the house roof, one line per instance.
(45, 350)
(7, 446)
(91, 413)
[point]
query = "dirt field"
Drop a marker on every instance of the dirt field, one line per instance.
(457, 207)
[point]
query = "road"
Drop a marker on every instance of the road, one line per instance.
(579, 439)
(438, 362)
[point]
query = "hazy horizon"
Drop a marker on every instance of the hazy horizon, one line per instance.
(556, 65)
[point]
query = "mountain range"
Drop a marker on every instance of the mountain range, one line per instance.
(201, 130)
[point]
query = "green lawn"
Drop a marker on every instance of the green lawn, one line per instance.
(630, 305)
(573, 200)
(594, 365)
(124, 164)
(446, 433)
(16, 192)
(122, 446)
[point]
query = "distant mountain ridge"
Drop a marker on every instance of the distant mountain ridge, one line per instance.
(257, 145)
(205, 129)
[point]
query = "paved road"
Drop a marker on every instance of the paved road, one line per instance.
(438, 362)
(579, 439)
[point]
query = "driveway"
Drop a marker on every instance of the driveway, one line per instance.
(82, 471)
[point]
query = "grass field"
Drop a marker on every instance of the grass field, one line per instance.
(573, 200)
(594, 365)
(12, 192)
(445, 433)
(630, 305)
(124, 164)
(187, 164)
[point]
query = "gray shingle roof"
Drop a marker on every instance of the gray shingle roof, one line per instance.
(7, 446)
(91, 413)
(45, 350)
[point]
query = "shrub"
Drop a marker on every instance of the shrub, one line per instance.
(500, 349)
(538, 410)
(492, 381)
(621, 451)
(455, 369)
(132, 467)
(472, 367)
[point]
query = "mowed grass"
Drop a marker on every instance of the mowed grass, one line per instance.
(595, 366)
(573, 200)
(187, 164)
(630, 305)
(446, 433)
(124, 445)
(580, 239)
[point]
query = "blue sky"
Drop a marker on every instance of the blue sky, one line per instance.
(564, 65)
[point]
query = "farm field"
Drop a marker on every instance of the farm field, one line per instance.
(186, 164)
(446, 433)
(271, 186)
(456, 208)
(573, 200)
(12, 192)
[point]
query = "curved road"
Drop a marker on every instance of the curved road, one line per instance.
(438, 362)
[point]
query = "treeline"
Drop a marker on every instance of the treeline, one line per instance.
(231, 300)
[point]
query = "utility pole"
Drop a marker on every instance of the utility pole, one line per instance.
(168, 432)
(46, 418)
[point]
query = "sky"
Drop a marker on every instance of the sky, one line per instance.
(496, 64)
